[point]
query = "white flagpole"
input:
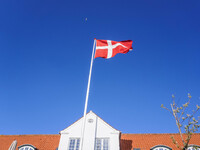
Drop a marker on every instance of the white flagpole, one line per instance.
(86, 99)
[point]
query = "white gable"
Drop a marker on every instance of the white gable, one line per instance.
(95, 128)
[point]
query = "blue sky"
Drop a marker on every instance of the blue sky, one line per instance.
(45, 51)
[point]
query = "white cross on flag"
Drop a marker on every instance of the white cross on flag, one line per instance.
(108, 48)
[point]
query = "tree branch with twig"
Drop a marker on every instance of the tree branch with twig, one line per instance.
(186, 123)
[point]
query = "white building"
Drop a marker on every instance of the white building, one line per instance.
(97, 135)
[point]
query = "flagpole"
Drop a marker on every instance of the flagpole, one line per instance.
(86, 99)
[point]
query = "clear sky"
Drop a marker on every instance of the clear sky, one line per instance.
(45, 51)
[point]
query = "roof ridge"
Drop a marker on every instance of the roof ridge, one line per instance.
(151, 133)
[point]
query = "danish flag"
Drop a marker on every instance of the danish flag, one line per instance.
(107, 48)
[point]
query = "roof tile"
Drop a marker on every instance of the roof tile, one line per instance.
(147, 141)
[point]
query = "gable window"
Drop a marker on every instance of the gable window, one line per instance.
(101, 144)
(160, 147)
(27, 147)
(74, 143)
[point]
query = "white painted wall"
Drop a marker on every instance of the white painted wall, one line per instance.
(96, 129)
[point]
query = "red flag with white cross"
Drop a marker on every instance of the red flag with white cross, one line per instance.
(107, 48)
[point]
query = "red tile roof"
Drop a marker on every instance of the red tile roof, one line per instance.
(128, 141)
(41, 142)
(147, 141)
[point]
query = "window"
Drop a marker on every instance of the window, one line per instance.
(74, 143)
(27, 147)
(193, 147)
(161, 147)
(136, 148)
(101, 144)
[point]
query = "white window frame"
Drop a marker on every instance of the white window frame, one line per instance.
(23, 147)
(102, 143)
(193, 147)
(75, 144)
(160, 147)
